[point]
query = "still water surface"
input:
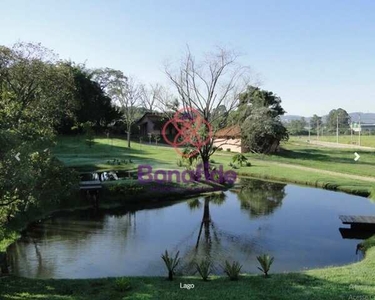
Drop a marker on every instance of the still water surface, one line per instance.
(299, 226)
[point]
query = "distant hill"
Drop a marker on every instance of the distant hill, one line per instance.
(288, 118)
(365, 117)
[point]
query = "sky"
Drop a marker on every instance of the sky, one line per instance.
(316, 55)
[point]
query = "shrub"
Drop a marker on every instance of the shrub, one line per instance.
(212, 161)
(122, 284)
(179, 163)
(265, 263)
(248, 164)
(240, 158)
(171, 263)
(118, 162)
(89, 133)
(204, 269)
(232, 270)
(228, 149)
(126, 189)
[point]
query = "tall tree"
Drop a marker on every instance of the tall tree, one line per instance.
(315, 122)
(338, 117)
(94, 105)
(206, 85)
(254, 97)
(259, 117)
(261, 133)
(297, 127)
(127, 92)
(36, 89)
(35, 85)
(106, 77)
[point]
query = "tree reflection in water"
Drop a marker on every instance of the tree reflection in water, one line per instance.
(216, 245)
(213, 243)
(30, 253)
(260, 198)
(209, 242)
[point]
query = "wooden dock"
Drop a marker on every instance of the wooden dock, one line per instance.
(359, 222)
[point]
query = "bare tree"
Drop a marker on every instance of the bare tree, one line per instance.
(208, 85)
(150, 96)
(166, 102)
(127, 93)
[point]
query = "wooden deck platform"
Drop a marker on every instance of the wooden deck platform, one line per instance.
(357, 219)
(359, 222)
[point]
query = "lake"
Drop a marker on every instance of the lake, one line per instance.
(299, 226)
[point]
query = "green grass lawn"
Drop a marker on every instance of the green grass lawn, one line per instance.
(366, 140)
(330, 159)
(75, 153)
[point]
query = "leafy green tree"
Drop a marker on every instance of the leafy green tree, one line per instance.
(315, 122)
(89, 133)
(93, 104)
(35, 91)
(258, 115)
(34, 85)
(254, 98)
(262, 133)
(338, 117)
(297, 127)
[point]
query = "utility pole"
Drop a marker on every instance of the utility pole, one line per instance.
(337, 128)
(309, 129)
(360, 130)
(317, 130)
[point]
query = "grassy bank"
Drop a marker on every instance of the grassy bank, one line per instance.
(355, 281)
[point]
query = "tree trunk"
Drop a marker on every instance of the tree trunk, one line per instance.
(3, 263)
(206, 167)
(170, 275)
(128, 137)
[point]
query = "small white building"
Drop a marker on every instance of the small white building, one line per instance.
(229, 138)
(357, 127)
